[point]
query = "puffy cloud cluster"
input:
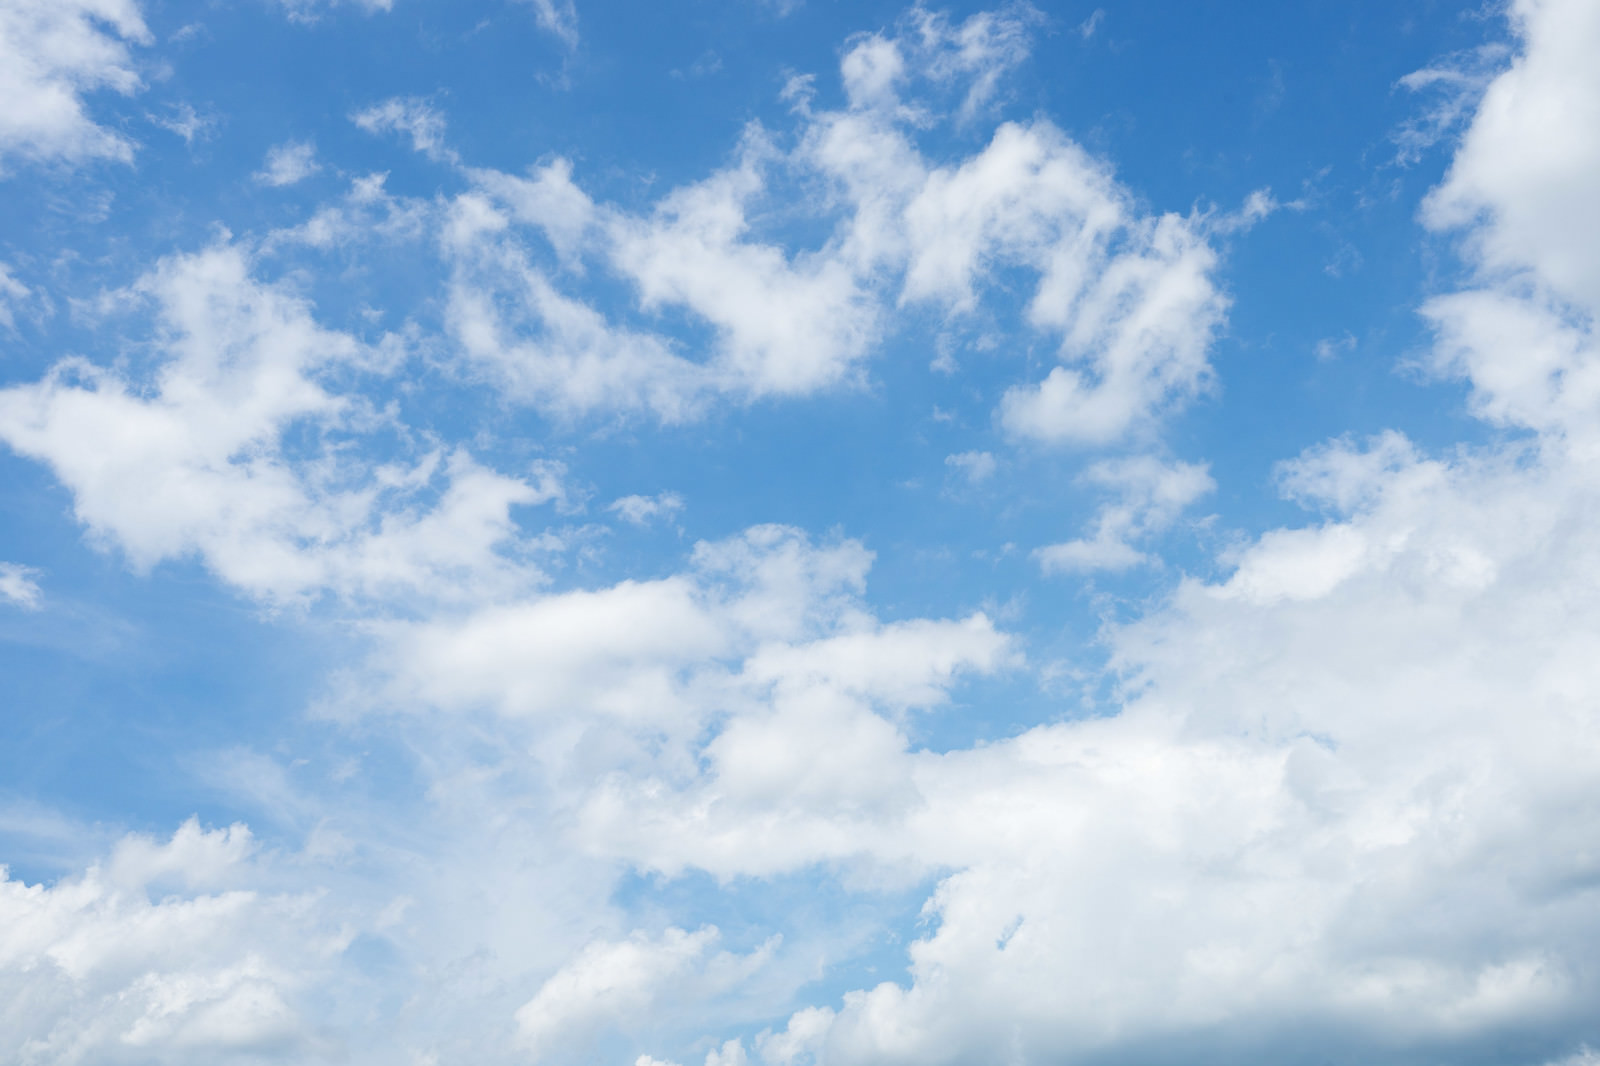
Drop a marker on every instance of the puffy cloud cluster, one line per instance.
(193, 457)
(164, 952)
(53, 52)
(1341, 805)
(1128, 299)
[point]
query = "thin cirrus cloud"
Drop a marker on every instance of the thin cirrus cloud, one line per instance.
(758, 798)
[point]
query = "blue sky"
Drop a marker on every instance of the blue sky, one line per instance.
(782, 533)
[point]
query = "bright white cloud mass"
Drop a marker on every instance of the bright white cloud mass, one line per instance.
(859, 555)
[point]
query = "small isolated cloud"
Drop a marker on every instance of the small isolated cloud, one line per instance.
(415, 118)
(184, 121)
(1087, 28)
(18, 587)
(976, 467)
(13, 294)
(311, 10)
(642, 510)
(1330, 348)
(288, 163)
(558, 17)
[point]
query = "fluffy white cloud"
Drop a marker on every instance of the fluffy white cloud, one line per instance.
(289, 163)
(1347, 791)
(17, 585)
(624, 982)
(1523, 176)
(419, 120)
(191, 458)
(976, 467)
(642, 510)
(1347, 788)
(1518, 195)
(1130, 296)
(167, 951)
(543, 347)
(53, 52)
(761, 614)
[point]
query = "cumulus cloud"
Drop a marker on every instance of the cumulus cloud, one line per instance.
(615, 982)
(761, 613)
(1341, 796)
(53, 53)
(1336, 795)
(413, 116)
(288, 163)
(167, 950)
(559, 17)
(190, 458)
(976, 467)
(17, 585)
(642, 510)
(1129, 296)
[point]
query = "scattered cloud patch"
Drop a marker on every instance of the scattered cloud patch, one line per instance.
(184, 121)
(55, 53)
(975, 467)
(412, 116)
(310, 11)
(1151, 495)
(288, 164)
(559, 18)
(18, 586)
(642, 510)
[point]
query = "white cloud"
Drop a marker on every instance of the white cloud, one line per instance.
(1347, 788)
(1452, 88)
(976, 467)
(311, 10)
(1332, 798)
(18, 587)
(166, 951)
(1339, 791)
(52, 53)
(13, 295)
(1151, 495)
(638, 651)
(615, 982)
(413, 116)
(184, 121)
(642, 510)
(1131, 296)
(1523, 176)
(559, 17)
(368, 212)
(543, 347)
(288, 163)
(190, 459)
